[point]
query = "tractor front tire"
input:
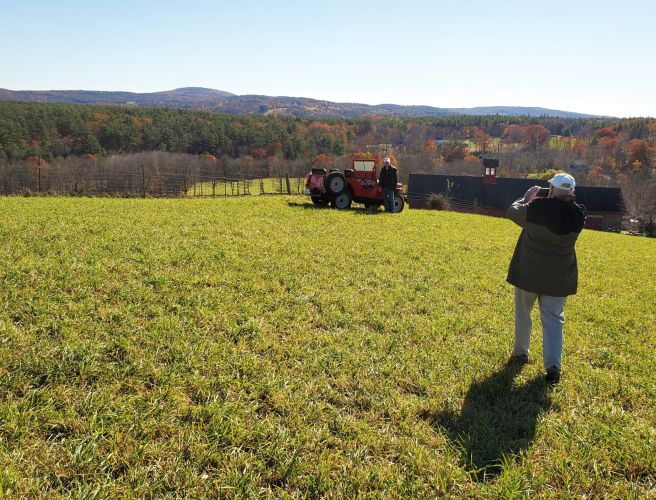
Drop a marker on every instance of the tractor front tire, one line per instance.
(320, 201)
(342, 201)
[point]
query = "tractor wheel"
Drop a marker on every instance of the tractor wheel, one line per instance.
(342, 201)
(320, 201)
(335, 183)
(398, 203)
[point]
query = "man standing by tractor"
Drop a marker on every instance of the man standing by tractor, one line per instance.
(388, 180)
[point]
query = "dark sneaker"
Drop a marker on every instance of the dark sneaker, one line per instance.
(518, 359)
(553, 375)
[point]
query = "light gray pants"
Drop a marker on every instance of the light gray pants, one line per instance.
(553, 317)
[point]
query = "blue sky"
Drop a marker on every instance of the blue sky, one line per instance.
(588, 56)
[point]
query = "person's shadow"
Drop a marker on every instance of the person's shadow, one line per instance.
(497, 420)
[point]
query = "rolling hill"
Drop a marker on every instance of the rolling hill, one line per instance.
(226, 102)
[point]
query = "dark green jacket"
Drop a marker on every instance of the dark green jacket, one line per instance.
(544, 261)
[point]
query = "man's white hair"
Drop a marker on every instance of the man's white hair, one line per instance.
(561, 193)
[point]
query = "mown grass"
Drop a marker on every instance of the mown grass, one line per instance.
(262, 347)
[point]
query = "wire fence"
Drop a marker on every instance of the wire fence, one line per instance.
(144, 182)
(169, 175)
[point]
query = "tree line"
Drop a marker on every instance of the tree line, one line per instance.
(53, 131)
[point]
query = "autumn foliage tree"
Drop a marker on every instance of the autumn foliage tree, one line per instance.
(259, 153)
(37, 169)
(429, 146)
(534, 136)
(322, 161)
(640, 153)
(455, 152)
(481, 138)
(512, 134)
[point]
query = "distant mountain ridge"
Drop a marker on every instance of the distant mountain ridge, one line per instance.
(225, 102)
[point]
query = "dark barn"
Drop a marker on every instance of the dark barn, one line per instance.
(492, 195)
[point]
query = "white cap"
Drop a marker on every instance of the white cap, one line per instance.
(563, 181)
(386, 160)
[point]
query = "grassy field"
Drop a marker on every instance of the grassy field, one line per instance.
(261, 347)
(268, 185)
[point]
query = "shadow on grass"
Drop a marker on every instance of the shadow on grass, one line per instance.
(497, 420)
(361, 210)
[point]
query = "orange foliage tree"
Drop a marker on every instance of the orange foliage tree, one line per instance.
(274, 149)
(474, 133)
(640, 152)
(455, 152)
(259, 153)
(512, 134)
(606, 132)
(429, 146)
(535, 136)
(322, 161)
(594, 175)
(37, 168)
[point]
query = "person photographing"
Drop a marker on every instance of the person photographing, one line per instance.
(544, 267)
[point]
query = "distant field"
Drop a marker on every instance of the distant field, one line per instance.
(269, 185)
(261, 347)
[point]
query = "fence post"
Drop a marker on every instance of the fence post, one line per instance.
(143, 181)
(39, 180)
(289, 187)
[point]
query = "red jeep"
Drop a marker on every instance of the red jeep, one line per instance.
(359, 184)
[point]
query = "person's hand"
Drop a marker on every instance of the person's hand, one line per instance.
(531, 194)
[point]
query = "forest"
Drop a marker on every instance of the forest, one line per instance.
(59, 130)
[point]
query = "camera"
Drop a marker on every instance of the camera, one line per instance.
(543, 193)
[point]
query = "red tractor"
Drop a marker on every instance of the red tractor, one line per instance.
(359, 184)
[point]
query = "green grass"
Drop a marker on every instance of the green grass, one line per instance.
(261, 347)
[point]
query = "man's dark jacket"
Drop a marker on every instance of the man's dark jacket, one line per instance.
(544, 261)
(388, 178)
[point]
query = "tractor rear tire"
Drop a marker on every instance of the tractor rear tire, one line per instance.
(342, 201)
(398, 203)
(335, 183)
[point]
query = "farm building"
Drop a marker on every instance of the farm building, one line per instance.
(492, 195)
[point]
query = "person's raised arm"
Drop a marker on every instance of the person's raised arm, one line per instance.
(517, 211)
